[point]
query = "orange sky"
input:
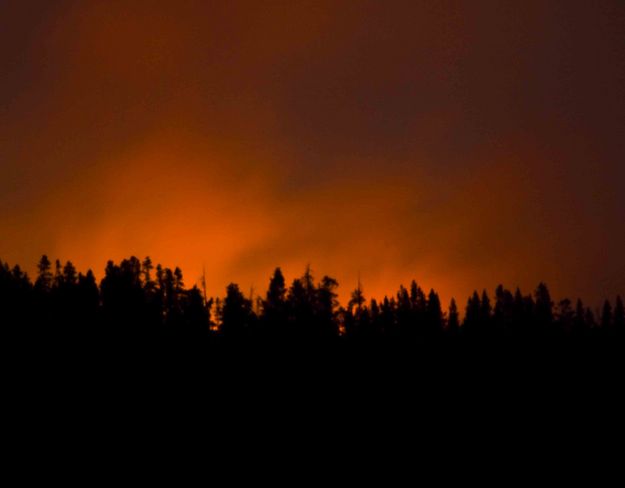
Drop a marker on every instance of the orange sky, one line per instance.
(463, 144)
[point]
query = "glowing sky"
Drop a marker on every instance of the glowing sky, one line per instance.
(463, 144)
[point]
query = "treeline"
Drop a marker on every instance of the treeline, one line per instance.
(136, 300)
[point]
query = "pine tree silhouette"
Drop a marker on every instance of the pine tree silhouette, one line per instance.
(453, 323)
(133, 305)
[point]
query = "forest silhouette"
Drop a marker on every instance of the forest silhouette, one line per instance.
(138, 301)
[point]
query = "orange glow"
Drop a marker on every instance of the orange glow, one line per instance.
(426, 142)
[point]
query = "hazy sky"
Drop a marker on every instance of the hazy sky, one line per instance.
(463, 144)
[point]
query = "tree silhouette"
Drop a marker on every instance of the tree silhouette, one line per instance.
(237, 318)
(419, 312)
(579, 319)
(356, 318)
(132, 305)
(195, 315)
(388, 318)
(543, 306)
(606, 317)
(434, 316)
(88, 304)
(565, 316)
(406, 325)
(327, 303)
(485, 314)
(503, 313)
(300, 309)
(357, 300)
(376, 319)
(453, 323)
(16, 302)
(123, 299)
(471, 325)
(274, 316)
(44, 278)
